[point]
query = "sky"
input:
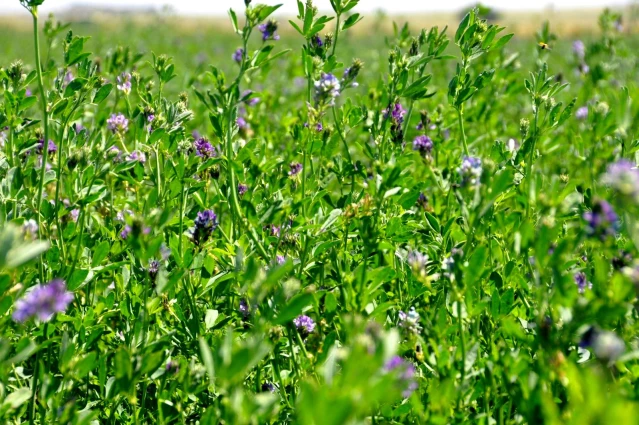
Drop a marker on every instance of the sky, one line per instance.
(220, 7)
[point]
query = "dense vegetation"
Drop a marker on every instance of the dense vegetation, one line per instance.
(434, 227)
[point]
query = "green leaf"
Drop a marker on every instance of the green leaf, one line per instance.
(501, 42)
(17, 398)
(294, 308)
(351, 20)
(207, 360)
(103, 93)
(24, 253)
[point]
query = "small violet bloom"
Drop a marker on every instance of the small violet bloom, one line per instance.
(582, 282)
(43, 301)
(124, 83)
(405, 374)
(424, 145)
(269, 30)
(304, 324)
(118, 123)
(601, 221)
(205, 224)
(204, 149)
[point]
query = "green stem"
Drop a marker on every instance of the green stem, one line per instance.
(36, 377)
(339, 16)
(462, 340)
(181, 220)
(460, 117)
(45, 123)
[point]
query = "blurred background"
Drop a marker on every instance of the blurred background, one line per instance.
(197, 33)
(523, 16)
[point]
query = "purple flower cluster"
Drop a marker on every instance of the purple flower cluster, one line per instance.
(153, 269)
(204, 148)
(118, 123)
(582, 282)
(405, 374)
(623, 177)
(242, 189)
(205, 224)
(51, 147)
(136, 156)
(396, 114)
(601, 221)
(43, 301)
(124, 83)
(304, 324)
(242, 124)
(579, 49)
(238, 55)
(296, 168)
(245, 310)
(410, 321)
(327, 89)
(582, 113)
(124, 234)
(424, 145)
(470, 170)
(269, 30)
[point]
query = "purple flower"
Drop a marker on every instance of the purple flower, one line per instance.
(242, 189)
(245, 310)
(582, 113)
(118, 123)
(405, 372)
(422, 201)
(410, 321)
(296, 168)
(470, 170)
(601, 221)
(115, 153)
(396, 114)
(205, 224)
(75, 213)
(623, 177)
(124, 83)
(304, 324)
(579, 49)
(424, 145)
(269, 30)
(136, 156)
(121, 215)
(583, 68)
(51, 147)
(30, 228)
(154, 268)
(241, 123)
(582, 282)
(316, 42)
(238, 55)
(268, 387)
(273, 230)
(172, 367)
(280, 259)
(43, 301)
(124, 234)
(327, 88)
(417, 261)
(204, 149)
(68, 77)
